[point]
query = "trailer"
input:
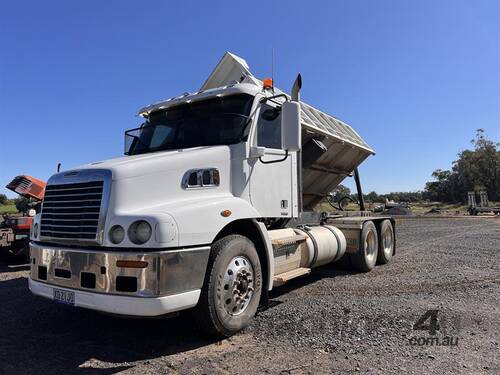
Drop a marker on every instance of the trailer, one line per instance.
(211, 207)
(483, 206)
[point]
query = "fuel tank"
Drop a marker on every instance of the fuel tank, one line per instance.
(306, 247)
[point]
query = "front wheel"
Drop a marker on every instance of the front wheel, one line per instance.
(233, 283)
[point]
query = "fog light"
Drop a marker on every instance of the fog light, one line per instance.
(116, 234)
(139, 232)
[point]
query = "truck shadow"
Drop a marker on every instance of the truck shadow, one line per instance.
(11, 263)
(328, 271)
(41, 336)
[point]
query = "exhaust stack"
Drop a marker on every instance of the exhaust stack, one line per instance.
(297, 85)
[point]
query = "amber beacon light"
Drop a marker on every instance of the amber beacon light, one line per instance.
(267, 83)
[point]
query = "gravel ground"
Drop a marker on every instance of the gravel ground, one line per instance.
(331, 321)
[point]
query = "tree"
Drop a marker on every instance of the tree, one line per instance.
(474, 170)
(3, 199)
(439, 190)
(340, 191)
(22, 204)
(478, 169)
(371, 197)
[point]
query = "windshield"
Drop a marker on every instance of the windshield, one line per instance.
(216, 121)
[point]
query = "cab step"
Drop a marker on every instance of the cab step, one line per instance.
(282, 278)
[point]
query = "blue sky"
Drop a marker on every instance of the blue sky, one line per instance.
(414, 78)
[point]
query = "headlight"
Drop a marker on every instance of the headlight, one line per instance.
(139, 232)
(116, 234)
(35, 231)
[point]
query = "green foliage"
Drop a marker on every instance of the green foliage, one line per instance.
(3, 199)
(398, 196)
(22, 204)
(474, 170)
(9, 208)
(341, 191)
(371, 197)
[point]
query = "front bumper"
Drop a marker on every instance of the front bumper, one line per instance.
(170, 282)
(123, 305)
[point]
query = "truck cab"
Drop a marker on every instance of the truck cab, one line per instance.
(209, 209)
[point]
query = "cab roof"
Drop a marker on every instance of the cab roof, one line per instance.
(187, 97)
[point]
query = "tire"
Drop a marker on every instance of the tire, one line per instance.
(385, 242)
(232, 289)
(365, 258)
(344, 262)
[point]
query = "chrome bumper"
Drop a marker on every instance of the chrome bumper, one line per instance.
(168, 272)
(123, 305)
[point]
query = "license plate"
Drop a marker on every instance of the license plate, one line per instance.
(64, 296)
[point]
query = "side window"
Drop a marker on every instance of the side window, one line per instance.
(161, 134)
(269, 127)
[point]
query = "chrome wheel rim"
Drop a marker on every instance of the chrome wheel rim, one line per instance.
(237, 285)
(370, 246)
(387, 241)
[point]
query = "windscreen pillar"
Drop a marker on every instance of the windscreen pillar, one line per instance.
(358, 188)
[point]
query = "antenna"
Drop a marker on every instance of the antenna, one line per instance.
(272, 67)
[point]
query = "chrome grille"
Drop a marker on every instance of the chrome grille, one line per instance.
(72, 211)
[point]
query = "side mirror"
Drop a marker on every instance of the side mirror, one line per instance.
(291, 132)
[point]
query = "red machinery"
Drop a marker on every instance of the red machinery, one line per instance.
(14, 230)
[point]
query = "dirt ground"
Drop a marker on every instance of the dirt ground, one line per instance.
(332, 321)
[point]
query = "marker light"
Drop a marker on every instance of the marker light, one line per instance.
(226, 213)
(131, 264)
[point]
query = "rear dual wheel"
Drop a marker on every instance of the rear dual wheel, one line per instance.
(376, 246)
(386, 242)
(365, 258)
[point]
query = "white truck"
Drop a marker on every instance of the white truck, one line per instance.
(209, 209)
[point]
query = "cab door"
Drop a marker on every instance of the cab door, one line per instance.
(273, 175)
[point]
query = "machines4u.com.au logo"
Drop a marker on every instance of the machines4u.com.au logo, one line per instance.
(436, 329)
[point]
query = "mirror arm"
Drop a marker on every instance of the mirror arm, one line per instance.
(274, 161)
(270, 98)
